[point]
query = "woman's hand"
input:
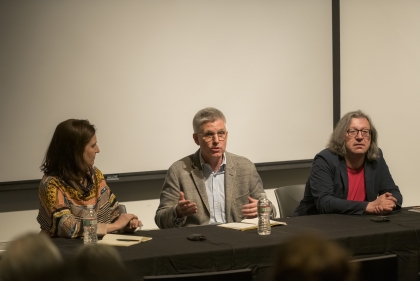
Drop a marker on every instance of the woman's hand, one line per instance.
(125, 223)
(132, 225)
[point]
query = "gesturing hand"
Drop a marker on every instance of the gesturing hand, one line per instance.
(250, 210)
(185, 207)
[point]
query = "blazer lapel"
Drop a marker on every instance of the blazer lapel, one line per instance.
(344, 177)
(198, 178)
(369, 182)
(230, 175)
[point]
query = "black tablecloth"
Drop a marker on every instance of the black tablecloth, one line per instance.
(170, 252)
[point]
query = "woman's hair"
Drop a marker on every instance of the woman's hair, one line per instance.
(312, 258)
(337, 142)
(64, 157)
(208, 114)
(30, 257)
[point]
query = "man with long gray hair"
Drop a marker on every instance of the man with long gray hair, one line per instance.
(211, 186)
(350, 176)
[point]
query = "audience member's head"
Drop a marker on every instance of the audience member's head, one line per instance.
(97, 262)
(30, 257)
(311, 258)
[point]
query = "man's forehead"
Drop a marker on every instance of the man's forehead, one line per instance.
(361, 120)
(217, 124)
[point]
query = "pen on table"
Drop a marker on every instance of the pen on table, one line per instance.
(128, 240)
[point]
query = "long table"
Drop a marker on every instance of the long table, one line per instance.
(170, 252)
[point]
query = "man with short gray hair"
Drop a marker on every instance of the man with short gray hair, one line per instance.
(211, 186)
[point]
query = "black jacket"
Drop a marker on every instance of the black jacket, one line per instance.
(327, 187)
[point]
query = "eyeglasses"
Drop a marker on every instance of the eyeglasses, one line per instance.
(354, 132)
(209, 136)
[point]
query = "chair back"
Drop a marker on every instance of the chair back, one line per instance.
(288, 198)
(122, 209)
(229, 275)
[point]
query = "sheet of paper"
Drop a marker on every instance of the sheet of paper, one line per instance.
(248, 224)
(255, 221)
(122, 240)
(239, 226)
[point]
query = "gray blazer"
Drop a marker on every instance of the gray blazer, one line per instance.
(241, 181)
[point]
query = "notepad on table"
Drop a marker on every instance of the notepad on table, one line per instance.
(415, 209)
(122, 240)
(248, 224)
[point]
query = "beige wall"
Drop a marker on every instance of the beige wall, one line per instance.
(140, 70)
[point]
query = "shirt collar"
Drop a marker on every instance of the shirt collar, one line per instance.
(202, 162)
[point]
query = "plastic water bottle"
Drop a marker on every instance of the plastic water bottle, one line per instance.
(264, 212)
(89, 226)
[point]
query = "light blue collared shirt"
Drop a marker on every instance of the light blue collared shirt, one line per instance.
(215, 187)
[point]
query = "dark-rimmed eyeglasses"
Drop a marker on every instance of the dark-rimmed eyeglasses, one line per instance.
(209, 136)
(354, 132)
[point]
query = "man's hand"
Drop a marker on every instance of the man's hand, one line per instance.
(383, 205)
(185, 207)
(250, 210)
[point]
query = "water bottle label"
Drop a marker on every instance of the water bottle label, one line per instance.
(264, 209)
(89, 222)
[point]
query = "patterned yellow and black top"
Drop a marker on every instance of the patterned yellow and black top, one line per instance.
(62, 207)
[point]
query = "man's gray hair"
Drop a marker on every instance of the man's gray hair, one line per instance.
(208, 114)
(337, 142)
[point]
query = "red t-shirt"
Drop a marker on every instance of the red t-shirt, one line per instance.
(357, 187)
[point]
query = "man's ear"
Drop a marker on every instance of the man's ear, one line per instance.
(195, 137)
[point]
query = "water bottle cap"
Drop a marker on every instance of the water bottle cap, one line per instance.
(90, 206)
(263, 195)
